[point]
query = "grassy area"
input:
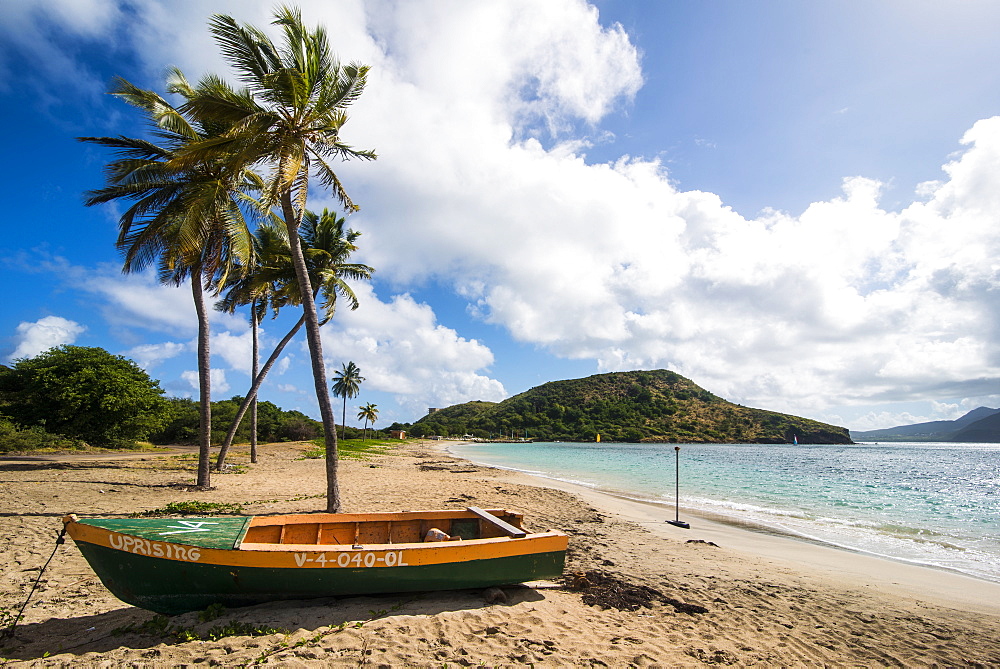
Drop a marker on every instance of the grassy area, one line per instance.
(353, 449)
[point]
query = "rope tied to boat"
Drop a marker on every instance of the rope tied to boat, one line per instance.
(61, 539)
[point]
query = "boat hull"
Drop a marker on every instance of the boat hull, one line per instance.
(172, 587)
(171, 578)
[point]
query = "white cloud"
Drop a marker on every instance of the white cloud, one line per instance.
(43, 334)
(402, 350)
(283, 364)
(125, 300)
(132, 300)
(148, 356)
(497, 63)
(86, 18)
(217, 379)
(235, 350)
(182, 36)
(140, 301)
(33, 28)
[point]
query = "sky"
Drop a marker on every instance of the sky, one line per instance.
(795, 205)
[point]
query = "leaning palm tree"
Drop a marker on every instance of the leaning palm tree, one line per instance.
(347, 384)
(250, 289)
(258, 309)
(328, 248)
(368, 412)
(288, 117)
(188, 219)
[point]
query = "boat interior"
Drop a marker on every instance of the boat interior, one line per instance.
(385, 528)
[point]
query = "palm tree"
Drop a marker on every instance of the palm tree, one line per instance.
(273, 283)
(258, 307)
(347, 384)
(188, 219)
(288, 117)
(249, 289)
(368, 412)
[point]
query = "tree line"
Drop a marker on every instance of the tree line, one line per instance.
(216, 195)
(74, 396)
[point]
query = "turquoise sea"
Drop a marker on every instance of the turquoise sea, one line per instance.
(928, 503)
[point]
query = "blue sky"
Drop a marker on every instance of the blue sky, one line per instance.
(793, 204)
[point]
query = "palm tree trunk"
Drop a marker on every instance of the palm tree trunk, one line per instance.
(343, 420)
(315, 352)
(252, 394)
(255, 329)
(204, 383)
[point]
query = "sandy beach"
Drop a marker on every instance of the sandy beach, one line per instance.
(716, 594)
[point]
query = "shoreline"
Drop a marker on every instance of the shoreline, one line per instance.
(913, 580)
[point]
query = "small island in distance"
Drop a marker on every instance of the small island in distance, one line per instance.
(657, 406)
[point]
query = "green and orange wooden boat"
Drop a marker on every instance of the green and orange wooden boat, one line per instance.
(174, 565)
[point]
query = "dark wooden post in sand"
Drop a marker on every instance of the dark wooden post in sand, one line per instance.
(677, 491)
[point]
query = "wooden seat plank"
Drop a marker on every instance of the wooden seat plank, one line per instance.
(515, 532)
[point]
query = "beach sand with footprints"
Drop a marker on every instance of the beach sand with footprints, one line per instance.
(637, 591)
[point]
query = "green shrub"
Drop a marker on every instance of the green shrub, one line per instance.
(15, 439)
(85, 393)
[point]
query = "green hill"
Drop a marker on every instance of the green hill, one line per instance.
(648, 406)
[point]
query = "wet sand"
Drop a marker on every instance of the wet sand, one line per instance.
(750, 599)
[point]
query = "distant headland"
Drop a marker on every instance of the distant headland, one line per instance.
(657, 406)
(981, 425)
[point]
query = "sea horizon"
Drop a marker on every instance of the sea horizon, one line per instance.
(926, 503)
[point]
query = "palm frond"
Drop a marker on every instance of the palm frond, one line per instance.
(129, 147)
(248, 48)
(159, 111)
(330, 179)
(346, 86)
